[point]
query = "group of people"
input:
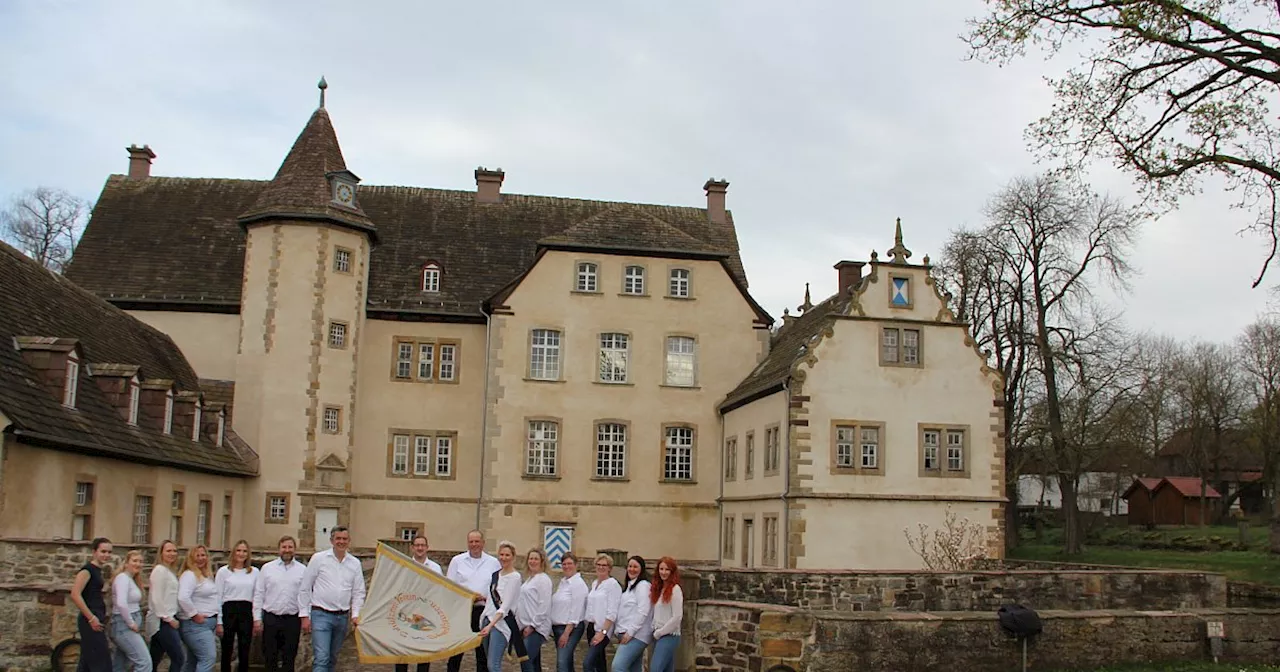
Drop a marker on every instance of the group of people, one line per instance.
(191, 607)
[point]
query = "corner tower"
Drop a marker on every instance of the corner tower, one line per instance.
(302, 312)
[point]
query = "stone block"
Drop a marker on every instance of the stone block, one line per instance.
(781, 648)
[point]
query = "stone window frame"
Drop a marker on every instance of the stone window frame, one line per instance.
(911, 301)
(527, 451)
(266, 509)
(338, 251)
(748, 558)
(150, 521)
(687, 280)
(749, 455)
(89, 508)
(942, 471)
(731, 458)
(414, 362)
(626, 372)
(729, 537)
(628, 436)
(401, 525)
(179, 512)
(337, 336)
(769, 540)
(666, 353)
(561, 359)
(856, 468)
(337, 420)
(899, 328)
(773, 448)
(644, 280)
(204, 506)
(693, 455)
(435, 435)
(587, 270)
(228, 517)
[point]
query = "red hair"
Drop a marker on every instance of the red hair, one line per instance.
(659, 589)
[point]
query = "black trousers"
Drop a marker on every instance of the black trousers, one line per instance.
(595, 659)
(237, 626)
(280, 641)
(422, 667)
(482, 659)
(167, 642)
(95, 654)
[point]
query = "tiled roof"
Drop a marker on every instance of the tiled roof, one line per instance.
(1147, 484)
(36, 302)
(180, 239)
(1188, 486)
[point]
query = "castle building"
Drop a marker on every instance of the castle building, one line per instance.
(564, 373)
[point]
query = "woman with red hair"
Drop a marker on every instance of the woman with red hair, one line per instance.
(668, 611)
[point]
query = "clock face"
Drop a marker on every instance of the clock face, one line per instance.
(344, 194)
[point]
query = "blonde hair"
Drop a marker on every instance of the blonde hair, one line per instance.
(190, 563)
(248, 555)
(507, 544)
(542, 566)
(177, 564)
(606, 557)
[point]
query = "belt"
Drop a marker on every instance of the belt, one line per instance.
(331, 611)
(272, 613)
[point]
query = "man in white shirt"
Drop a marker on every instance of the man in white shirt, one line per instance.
(330, 596)
(473, 570)
(420, 548)
(275, 608)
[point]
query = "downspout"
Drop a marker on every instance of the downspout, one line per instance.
(720, 499)
(786, 479)
(484, 414)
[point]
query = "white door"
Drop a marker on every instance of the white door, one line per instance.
(326, 520)
(748, 543)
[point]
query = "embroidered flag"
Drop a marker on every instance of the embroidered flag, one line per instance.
(412, 614)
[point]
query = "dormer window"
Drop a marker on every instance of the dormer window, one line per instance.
(71, 382)
(135, 398)
(431, 277)
(195, 426)
(168, 412)
(222, 428)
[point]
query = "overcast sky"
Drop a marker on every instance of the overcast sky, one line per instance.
(828, 119)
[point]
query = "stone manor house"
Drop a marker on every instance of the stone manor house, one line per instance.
(232, 358)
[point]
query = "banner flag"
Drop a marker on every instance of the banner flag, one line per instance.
(412, 614)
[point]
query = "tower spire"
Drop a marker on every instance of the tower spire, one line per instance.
(322, 86)
(808, 304)
(900, 254)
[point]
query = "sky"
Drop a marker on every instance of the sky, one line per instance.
(829, 120)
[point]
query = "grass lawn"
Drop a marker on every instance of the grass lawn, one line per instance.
(1253, 566)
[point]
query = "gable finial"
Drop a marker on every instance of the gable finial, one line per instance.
(900, 253)
(322, 86)
(807, 305)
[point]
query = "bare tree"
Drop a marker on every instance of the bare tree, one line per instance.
(44, 223)
(1210, 392)
(1260, 360)
(1170, 91)
(1155, 360)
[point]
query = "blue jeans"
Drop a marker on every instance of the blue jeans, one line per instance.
(327, 632)
(533, 646)
(131, 648)
(495, 647)
(630, 656)
(664, 654)
(564, 656)
(202, 645)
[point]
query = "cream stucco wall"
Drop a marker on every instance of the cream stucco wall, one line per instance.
(869, 534)
(747, 548)
(208, 340)
(770, 411)
(40, 486)
(680, 518)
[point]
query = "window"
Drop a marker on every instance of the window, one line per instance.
(84, 494)
(222, 427)
(342, 260)
(337, 334)
(195, 424)
(730, 459)
(226, 521)
(544, 355)
(404, 360)
(400, 454)
(332, 419)
(844, 446)
(633, 280)
(772, 449)
(613, 358)
(407, 532)
(900, 347)
(679, 286)
(870, 447)
(611, 450)
(943, 451)
(178, 500)
(929, 441)
(769, 555)
(426, 360)
(421, 455)
(587, 277)
(168, 412)
(203, 513)
(681, 364)
(856, 446)
(431, 278)
(544, 438)
(277, 507)
(447, 363)
(72, 382)
(82, 511)
(135, 398)
(142, 519)
(728, 543)
(444, 455)
(175, 529)
(955, 450)
(677, 461)
(81, 526)
(750, 456)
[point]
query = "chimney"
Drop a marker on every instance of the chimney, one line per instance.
(848, 275)
(140, 161)
(715, 199)
(489, 185)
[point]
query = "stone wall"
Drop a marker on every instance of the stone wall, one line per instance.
(742, 637)
(1255, 595)
(856, 591)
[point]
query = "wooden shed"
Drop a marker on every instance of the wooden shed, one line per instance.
(1176, 501)
(1139, 495)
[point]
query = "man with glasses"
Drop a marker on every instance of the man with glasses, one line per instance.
(330, 597)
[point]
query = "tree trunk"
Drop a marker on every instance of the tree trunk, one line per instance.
(1010, 507)
(1071, 515)
(1275, 510)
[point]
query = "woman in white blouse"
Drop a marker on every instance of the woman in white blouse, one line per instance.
(568, 612)
(633, 629)
(504, 594)
(533, 612)
(668, 612)
(162, 622)
(198, 611)
(235, 583)
(126, 621)
(602, 611)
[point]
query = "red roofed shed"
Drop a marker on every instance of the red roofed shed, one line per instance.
(1141, 511)
(1176, 500)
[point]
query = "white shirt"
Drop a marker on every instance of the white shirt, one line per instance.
(473, 573)
(126, 596)
(162, 596)
(667, 615)
(509, 595)
(276, 590)
(534, 607)
(602, 602)
(430, 564)
(569, 603)
(633, 614)
(197, 595)
(234, 585)
(332, 584)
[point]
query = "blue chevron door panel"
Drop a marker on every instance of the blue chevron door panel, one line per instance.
(556, 541)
